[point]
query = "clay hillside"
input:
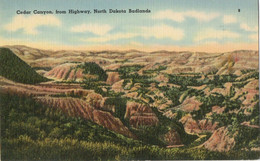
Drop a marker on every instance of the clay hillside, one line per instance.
(170, 100)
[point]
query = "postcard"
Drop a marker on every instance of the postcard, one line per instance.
(129, 80)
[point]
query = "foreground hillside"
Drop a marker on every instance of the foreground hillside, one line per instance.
(13, 68)
(160, 105)
(36, 132)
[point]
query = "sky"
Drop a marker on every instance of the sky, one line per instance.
(180, 25)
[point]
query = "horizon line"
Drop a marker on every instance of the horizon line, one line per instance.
(252, 47)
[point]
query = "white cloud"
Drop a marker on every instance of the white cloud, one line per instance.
(181, 16)
(110, 37)
(245, 27)
(170, 15)
(97, 29)
(29, 24)
(227, 19)
(202, 16)
(159, 32)
(215, 34)
(254, 37)
(162, 31)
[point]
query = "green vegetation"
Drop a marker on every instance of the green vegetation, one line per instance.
(42, 68)
(120, 106)
(173, 94)
(245, 71)
(15, 69)
(208, 102)
(184, 81)
(24, 148)
(94, 69)
(26, 123)
(126, 71)
(254, 74)
(194, 80)
(100, 87)
(246, 137)
(167, 123)
(241, 132)
(157, 70)
(31, 131)
(24, 116)
(97, 84)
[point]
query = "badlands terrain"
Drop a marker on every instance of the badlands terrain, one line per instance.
(170, 100)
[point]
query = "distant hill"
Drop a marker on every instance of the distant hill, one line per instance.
(13, 68)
